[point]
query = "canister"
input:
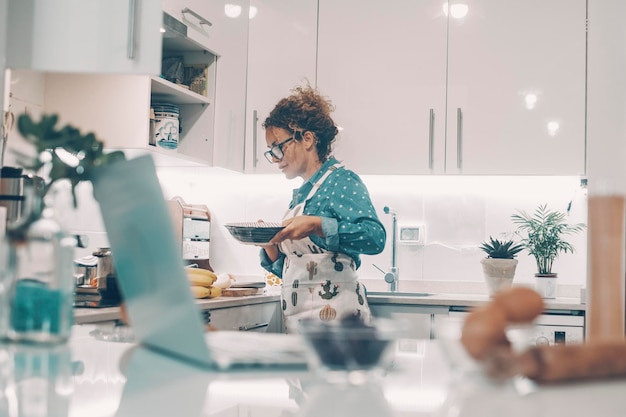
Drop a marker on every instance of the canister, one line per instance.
(14, 188)
(12, 192)
(86, 267)
(104, 265)
(166, 125)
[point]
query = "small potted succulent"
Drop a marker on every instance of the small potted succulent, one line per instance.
(542, 234)
(500, 264)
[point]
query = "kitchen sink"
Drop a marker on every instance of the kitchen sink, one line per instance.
(399, 294)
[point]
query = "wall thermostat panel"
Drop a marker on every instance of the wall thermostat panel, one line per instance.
(411, 235)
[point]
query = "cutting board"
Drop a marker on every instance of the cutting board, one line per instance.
(239, 292)
(260, 284)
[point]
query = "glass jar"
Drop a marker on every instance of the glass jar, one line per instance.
(36, 281)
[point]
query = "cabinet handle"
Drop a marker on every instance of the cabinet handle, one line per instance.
(432, 334)
(255, 119)
(459, 138)
(132, 12)
(245, 328)
(201, 19)
(431, 139)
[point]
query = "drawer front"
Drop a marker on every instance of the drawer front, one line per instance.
(195, 249)
(420, 318)
(196, 229)
(264, 317)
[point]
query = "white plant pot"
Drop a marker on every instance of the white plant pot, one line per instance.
(498, 273)
(545, 285)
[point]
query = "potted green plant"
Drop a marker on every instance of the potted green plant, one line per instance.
(542, 234)
(500, 264)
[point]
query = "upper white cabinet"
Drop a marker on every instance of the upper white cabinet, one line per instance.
(384, 67)
(489, 88)
(116, 107)
(516, 88)
(282, 48)
(270, 47)
(95, 36)
(229, 25)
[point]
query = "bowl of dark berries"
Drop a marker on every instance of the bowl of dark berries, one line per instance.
(351, 349)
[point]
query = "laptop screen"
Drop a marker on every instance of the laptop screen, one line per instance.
(150, 271)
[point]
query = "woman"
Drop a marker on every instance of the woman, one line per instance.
(330, 221)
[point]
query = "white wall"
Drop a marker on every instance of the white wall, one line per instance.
(27, 95)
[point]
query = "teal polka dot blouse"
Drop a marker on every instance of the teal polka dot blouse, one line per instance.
(349, 220)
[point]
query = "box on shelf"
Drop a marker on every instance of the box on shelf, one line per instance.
(196, 76)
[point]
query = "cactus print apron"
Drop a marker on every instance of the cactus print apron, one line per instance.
(318, 284)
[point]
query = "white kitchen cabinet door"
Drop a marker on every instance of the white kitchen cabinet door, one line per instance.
(418, 317)
(383, 64)
(230, 24)
(264, 317)
(282, 49)
(516, 88)
(606, 102)
(203, 18)
(96, 36)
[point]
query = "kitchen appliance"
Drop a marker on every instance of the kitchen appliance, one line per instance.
(557, 328)
(553, 327)
(15, 190)
(85, 270)
(192, 227)
(101, 290)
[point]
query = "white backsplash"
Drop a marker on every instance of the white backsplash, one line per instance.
(458, 213)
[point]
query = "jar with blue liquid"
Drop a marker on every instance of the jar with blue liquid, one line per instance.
(36, 279)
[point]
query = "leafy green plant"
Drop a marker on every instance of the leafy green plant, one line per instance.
(65, 152)
(57, 154)
(542, 235)
(501, 249)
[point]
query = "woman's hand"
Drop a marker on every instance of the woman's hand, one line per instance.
(299, 227)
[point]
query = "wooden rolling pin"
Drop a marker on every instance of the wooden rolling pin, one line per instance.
(484, 337)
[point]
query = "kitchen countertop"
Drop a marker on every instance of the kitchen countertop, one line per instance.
(464, 300)
(92, 377)
(93, 315)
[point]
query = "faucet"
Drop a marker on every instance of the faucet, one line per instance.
(391, 277)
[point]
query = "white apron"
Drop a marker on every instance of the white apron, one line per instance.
(318, 284)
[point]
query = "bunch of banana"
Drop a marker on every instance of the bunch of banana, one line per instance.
(201, 281)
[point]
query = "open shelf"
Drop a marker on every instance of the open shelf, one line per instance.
(166, 91)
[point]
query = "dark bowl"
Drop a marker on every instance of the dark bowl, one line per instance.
(253, 233)
(351, 345)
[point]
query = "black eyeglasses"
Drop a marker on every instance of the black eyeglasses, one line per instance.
(276, 151)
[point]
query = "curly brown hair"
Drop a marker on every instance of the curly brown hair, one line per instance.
(306, 110)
